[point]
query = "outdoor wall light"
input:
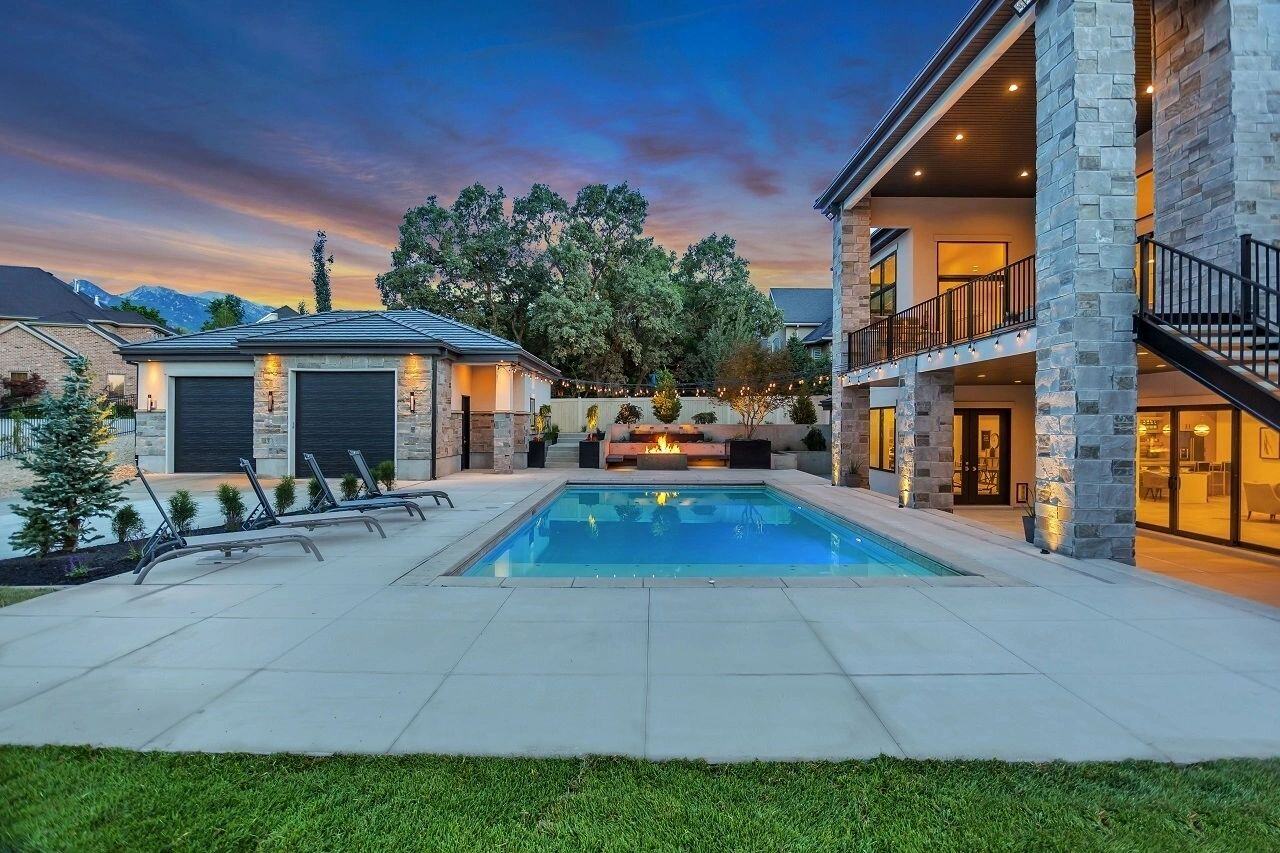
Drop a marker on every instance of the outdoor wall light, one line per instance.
(271, 401)
(413, 401)
(1151, 90)
(151, 403)
(1013, 87)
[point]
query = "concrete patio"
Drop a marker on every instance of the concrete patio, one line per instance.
(373, 651)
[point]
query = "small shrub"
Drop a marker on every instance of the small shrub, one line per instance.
(232, 505)
(314, 491)
(126, 524)
(76, 569)
(704, 418)
(385, 473)
(182, 510)
(36, 536)
(666, 401)
(628, 414)
(593, 417)
(542, 419)
(135, 553)
(120, 409)
(802, 410)
(286, 494)
(814, 439)
(350, 486)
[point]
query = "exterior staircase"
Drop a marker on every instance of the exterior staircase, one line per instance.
(564, 453)
(1219, 327)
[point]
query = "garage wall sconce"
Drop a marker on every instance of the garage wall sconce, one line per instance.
(271, 401)
(413, 402)
(151, 403)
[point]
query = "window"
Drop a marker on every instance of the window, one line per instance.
(884, 286)
(960, 262)
(18, 376)
(115, 386)
(883, 438)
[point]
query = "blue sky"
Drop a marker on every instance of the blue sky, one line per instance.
(200, 145)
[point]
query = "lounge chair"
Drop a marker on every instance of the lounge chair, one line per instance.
(265, 516)
(168, 543)
(329, 499)
(1261, 498)
(372, 490)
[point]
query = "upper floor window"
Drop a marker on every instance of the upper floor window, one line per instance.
(884, 286)
(960, 262)
(115, 386)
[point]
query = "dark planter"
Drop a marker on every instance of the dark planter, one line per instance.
(1029, 528)
(537, 453)
(590, 454)
(750, 453)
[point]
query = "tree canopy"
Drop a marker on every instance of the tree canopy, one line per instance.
(223, 312)
(578, 283)
(147, 311)
(320, 266)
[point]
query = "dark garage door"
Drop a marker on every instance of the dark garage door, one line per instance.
(212, 423)
(339, 411)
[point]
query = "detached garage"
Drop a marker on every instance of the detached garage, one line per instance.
(408, 386)
(341, 410)
(212, 423)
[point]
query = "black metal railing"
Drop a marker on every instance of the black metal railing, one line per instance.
(1222, 311)
(1260, 262)
(988, 305)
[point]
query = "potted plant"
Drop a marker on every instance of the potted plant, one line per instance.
(751, 380)
(536, 457)
(1029, 522)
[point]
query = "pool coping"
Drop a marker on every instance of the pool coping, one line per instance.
(445, 566)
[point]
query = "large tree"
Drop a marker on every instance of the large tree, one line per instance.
(320, 266)
(223, 312)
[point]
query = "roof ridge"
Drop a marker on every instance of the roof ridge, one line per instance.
(463, 325)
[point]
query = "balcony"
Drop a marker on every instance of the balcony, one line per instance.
(998, 302)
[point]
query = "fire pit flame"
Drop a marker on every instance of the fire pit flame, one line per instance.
(664, 447)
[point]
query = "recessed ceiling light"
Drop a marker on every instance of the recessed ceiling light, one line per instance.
(1151, 90)
(959, 137)
(1162, 365)
(1024, 174)
(1013, 87)
(917, 173)
(982, 376)
(1017, 382)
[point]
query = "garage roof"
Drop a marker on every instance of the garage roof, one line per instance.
(409, 331)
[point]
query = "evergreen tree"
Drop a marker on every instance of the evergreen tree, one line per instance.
(223, 312)
(71, 465)
(147, 311)
(320, 266)
(666, 402)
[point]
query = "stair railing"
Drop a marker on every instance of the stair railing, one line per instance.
(1260, 261)
(1222, 311)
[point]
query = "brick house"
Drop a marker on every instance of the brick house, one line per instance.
(43, 322)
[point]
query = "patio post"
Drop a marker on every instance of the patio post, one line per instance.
(851, 310)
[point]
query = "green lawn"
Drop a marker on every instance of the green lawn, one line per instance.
(80, 799)
(12, 594)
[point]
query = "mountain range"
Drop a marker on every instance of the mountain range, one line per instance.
(181, 311)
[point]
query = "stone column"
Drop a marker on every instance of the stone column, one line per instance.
(923, 424)
(271, 416)
(851, 310)
(504, 441)
(1216, 123)
(1086, 363)
(149, 441)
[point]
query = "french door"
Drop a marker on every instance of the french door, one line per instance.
(981, 442)
(1186, 470)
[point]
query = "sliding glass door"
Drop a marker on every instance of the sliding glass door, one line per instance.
(1186, 470)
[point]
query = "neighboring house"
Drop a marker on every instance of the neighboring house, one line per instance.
(1022, 357)
(432, 394)
(284, 312)
(804, 309)
(43, 322)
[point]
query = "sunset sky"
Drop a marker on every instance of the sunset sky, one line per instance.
(200, 145)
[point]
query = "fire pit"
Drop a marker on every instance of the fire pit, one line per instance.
(664, 456)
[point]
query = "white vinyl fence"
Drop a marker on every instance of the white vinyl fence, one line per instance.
(570, 413)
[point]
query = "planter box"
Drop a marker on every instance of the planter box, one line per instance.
(662, 462)
(537, 453)
(750, 453)
(591, 454)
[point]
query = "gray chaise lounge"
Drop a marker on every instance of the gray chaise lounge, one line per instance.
(168, 543)
(265, 516)
(372, 490)
(328, 498)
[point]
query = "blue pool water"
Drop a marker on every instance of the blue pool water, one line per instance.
(692, 532)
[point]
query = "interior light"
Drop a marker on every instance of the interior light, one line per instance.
(1162, 365)
(1151, 90)
(918, 173)
(982, 376)
(959, 137)
(1013, 87)
(1024, 174)
(1201, 430)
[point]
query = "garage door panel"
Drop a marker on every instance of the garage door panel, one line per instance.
(212, 423)
(337, 411)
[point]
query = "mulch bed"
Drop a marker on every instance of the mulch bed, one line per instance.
(88, 564)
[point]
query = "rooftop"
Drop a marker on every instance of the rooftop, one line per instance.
(802, 305)
(30, 293)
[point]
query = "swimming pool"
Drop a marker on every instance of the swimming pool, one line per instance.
(700, 532)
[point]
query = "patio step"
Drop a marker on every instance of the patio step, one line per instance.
(564, 454)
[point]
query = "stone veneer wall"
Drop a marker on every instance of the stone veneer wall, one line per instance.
(1086, 363)
(851, 310)
(923, 422)
(1216, 124)
(413, 428)
(149, 440)
(503, 442)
